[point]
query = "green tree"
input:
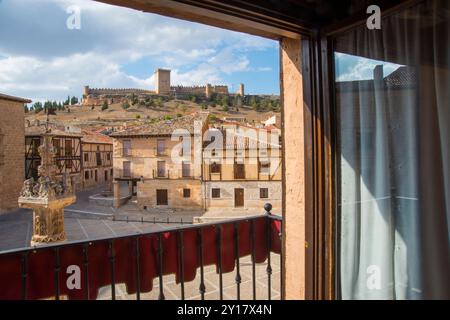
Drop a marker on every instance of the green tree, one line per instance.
(73, 100)
(125, 105)
(105, 105)
(225, 101)
(25, 108)
(37, 107)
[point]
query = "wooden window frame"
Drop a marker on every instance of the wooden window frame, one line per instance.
(215, 195)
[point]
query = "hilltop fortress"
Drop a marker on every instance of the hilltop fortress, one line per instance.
(163, 87)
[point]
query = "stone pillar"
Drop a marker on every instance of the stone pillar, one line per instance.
(116, 189)
(294, 189)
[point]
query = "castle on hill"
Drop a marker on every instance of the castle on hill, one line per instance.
(163, 87)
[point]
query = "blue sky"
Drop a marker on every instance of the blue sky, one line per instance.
(40, 58)
(354, 68)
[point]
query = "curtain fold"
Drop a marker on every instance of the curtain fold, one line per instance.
(392, 95)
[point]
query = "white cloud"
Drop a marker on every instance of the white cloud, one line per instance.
(53, 61)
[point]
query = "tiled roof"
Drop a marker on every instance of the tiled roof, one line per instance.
(40, 130)
(95, 137)
(162, 127)
(402, 77)
(12, 98)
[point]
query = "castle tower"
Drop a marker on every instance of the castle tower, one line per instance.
(86, 91)
(241, 90)
(208, 91)
(162, 81)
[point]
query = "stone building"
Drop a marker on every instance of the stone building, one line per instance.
(244, 172)
(97, 159)
(159, 169)
(12, 141)
(163, 87)
(241, 175)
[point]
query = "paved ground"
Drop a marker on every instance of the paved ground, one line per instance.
(172, 291)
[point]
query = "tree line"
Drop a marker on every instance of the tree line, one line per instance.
(51, 105)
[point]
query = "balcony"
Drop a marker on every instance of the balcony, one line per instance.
(161, 174)
(143, 263)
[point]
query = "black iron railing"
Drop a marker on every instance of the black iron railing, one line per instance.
(44, 272)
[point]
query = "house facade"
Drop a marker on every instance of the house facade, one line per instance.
(160, 171)
(244, 172)
(97, 159)
(165, 168)
(68, 153)
(11, 150)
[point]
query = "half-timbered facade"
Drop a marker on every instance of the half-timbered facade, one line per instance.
(68, 152)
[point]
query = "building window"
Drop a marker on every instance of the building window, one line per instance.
(108, 156)
(161, 197)
(186, 193)
(264, 167)
(35, 143)
(215, 167)
(126, 166)
(126, 148)
(239, 171)
(86, 175)
(186, 169)
(160, 147)
(106, 175)
(96, 176)
(86, 157)
(264, 193)
(98, 157)
(57, 147)
(215, 193)
(68, 164)
(68, 147)
(161, 169)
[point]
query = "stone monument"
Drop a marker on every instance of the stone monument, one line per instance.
(47, 197)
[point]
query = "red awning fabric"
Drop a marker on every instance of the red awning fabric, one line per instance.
(47, 269)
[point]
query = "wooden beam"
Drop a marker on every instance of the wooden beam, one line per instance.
(234, 20)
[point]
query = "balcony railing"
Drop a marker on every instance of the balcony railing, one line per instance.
(136, 260)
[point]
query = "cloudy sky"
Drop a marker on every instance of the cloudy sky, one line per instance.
(41, 58)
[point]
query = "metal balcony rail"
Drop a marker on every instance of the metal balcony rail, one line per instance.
(136, 260)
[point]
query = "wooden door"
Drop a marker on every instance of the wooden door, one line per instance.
(238, 197)
(161, 197)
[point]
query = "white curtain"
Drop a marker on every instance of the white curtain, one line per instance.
(394, 142)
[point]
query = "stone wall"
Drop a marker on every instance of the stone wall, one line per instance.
(146, 193)
(253, 204)
(12, 149)
(95, 175)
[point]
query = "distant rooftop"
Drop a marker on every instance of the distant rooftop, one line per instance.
(95, 137)
(40, 130)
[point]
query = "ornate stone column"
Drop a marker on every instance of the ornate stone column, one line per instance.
(47, 197)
